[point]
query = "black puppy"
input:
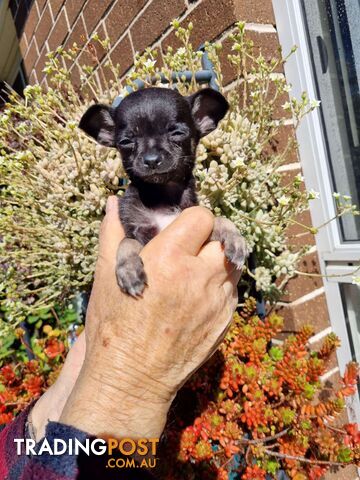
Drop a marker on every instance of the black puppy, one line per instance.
(156, 131)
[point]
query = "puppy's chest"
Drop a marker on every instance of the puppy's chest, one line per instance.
(162, 218)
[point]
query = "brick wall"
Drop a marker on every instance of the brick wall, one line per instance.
(133, 25)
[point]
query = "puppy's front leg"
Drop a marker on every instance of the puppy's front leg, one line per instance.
(234, 244)
(130, 273)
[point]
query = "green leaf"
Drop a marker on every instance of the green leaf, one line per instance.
(6, 354)
(272, 466)
(32, 319)
(38, 324)
(276, 353)
(344, 455)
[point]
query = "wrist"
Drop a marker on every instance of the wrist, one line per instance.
(130, 409)
(47, 408)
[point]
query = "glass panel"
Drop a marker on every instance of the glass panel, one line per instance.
(351, 300)
(334, 42)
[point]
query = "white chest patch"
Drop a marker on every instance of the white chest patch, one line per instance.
(163, 219)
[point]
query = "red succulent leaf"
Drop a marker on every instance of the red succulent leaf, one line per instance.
(54, 347)
(7, 374)
(254, 472)
(317, 472)
(6, 418)
(33, 384)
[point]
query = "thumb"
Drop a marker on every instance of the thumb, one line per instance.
(111, 230)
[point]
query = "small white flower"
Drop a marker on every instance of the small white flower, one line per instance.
(149, 63)
(336, 195)
(286, 106)
(315, 103)
(283, 201)
(347, 198)
(313, 195)
(72, 125)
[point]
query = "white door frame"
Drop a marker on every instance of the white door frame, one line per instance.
(298, 70)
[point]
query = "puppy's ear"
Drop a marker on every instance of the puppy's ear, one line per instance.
(208, 107)
(98, 122)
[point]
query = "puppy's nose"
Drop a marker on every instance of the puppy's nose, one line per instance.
(152, 160)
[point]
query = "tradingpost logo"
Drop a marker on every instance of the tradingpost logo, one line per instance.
(140, 453)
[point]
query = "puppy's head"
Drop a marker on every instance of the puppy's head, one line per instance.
(156, 130)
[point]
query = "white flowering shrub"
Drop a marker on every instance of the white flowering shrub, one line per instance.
(55, 180)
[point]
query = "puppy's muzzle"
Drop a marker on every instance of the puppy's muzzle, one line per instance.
(152, 160)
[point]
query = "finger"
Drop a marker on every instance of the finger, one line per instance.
(216, 264)
(111, 230)
(230, 287)
(74, 360)
(231, 292)
(189, 231)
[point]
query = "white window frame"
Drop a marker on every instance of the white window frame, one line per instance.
(334, 256)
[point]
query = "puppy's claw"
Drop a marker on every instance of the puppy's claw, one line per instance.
(235, 249)
(131, 276)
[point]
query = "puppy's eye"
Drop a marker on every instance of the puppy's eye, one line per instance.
(126, 142)
(178, 132)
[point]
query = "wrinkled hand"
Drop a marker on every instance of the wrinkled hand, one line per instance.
(140, 351)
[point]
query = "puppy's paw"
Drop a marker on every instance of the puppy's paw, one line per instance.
(234, 244)
(235, 248)
(131, 276)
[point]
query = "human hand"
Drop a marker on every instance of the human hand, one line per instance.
(141, 351)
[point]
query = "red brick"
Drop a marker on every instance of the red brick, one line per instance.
(90, 54)
(93, 12)
(298, 235)
(55, 6)
(154, 21)
(41, 5)
(59, 32)
(76, 80)
(122, 55)
(31, 56)
(265, 43)
(275, 101)
(85, 88)
(279, 142)
(23, 44)
(33, 78)
(302, 285)
(31, 22)
(313, 312)
(77, 35)
(40, 65)
(120, 16)
(258, 11)
(99, 50)
(210, 19)
(288, 176)
(44, 27)
(73, 8)
(86, 59)
(75, 77)
(279, 112)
